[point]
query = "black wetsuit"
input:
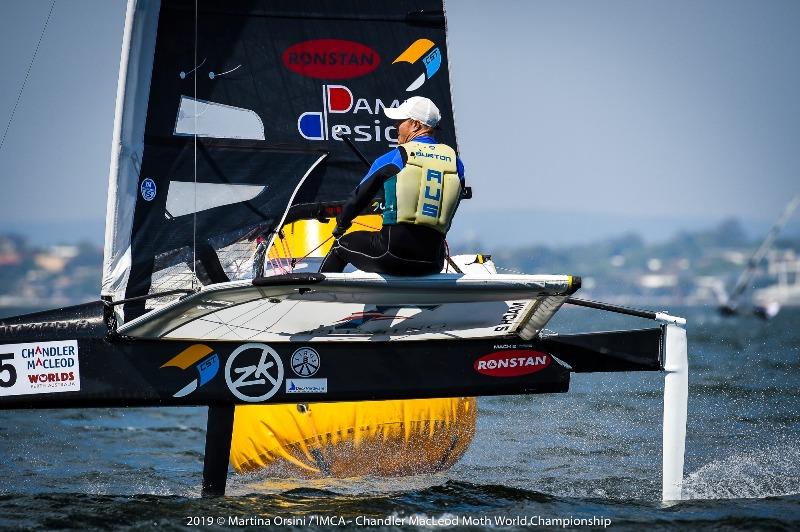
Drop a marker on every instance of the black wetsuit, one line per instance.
(397, 249)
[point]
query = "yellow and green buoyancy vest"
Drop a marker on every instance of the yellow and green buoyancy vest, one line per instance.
(427, 190)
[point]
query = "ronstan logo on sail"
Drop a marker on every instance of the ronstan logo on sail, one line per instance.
(331, 59)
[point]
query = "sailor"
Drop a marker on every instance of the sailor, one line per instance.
(422, 182)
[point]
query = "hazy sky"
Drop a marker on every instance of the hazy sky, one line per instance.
(628, 108)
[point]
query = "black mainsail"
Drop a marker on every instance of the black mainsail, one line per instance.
(232, 111)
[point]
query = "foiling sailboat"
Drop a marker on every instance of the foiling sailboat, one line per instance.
(233, 149)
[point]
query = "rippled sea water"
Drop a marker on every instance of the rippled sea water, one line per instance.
(592, 454)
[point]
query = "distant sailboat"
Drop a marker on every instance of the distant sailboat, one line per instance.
(769, 308)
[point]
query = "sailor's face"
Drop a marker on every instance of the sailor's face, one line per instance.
(405, 129)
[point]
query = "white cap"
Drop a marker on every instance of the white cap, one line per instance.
(417, 108)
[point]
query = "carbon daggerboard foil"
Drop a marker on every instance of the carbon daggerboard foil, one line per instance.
(302, 68)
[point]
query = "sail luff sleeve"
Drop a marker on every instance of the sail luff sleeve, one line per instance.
(133, 87)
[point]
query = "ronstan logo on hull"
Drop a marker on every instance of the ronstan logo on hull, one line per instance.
(512, 363)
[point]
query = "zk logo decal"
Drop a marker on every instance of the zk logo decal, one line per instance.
(254, 372)
(431, 56)
(207, 368)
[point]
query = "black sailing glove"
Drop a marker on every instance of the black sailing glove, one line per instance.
(339, 230)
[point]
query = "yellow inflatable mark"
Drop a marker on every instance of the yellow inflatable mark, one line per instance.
(384, 438)
(298, 239)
